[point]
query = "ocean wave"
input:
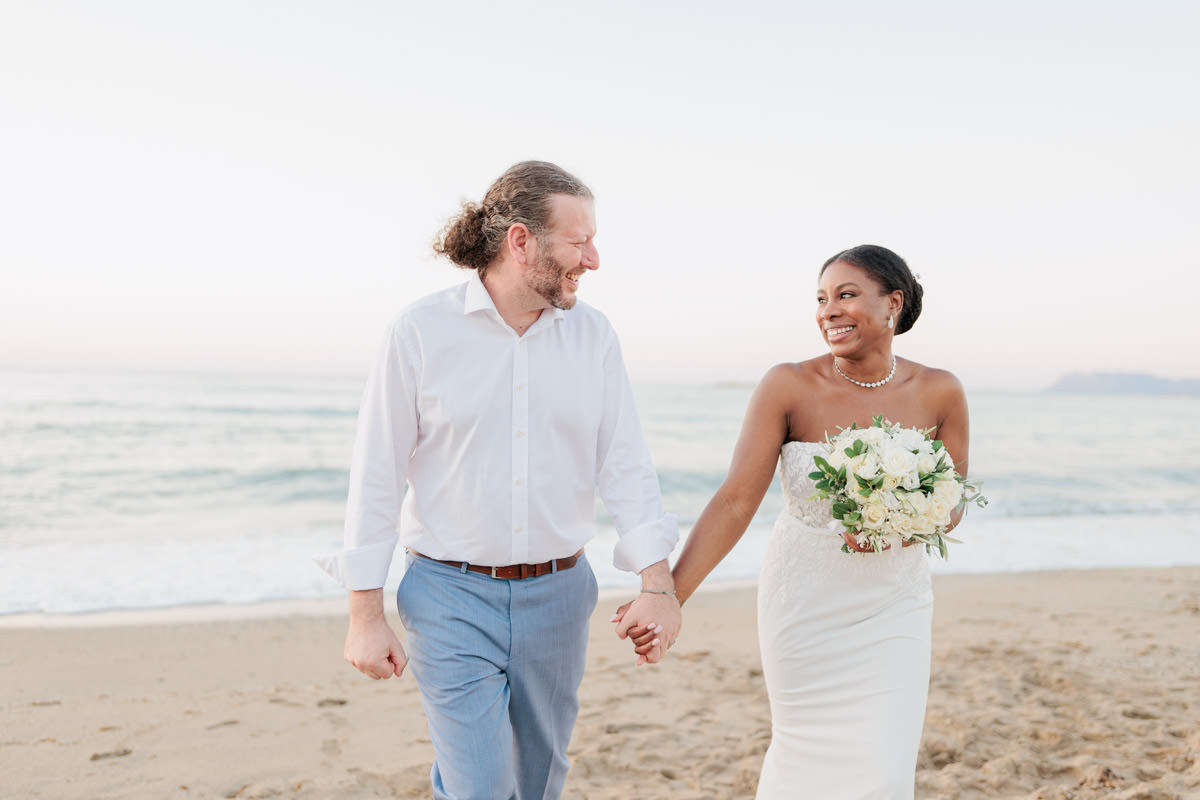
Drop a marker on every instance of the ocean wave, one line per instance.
(295, 475)
(185, 476)
(317, 412)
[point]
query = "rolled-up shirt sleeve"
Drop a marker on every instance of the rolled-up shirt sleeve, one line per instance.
(386, 435)
(628, 483)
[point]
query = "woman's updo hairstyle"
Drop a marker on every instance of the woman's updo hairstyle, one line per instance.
(475, 235)
(892, 274)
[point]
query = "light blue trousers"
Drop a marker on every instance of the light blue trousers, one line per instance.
(498, 665)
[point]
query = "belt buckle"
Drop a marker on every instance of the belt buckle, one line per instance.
(494, 575)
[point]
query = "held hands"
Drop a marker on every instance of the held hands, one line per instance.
(653, 619)
(651, 622)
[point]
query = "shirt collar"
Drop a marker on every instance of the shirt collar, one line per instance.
(478, 299)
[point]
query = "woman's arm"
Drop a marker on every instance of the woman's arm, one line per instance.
(728, 513)
(954, 427)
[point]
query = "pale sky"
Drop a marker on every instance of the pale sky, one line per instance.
(254, 186)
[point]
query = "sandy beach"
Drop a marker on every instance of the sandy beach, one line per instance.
(1045, 685)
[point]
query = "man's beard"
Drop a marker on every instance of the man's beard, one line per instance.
(546, 278)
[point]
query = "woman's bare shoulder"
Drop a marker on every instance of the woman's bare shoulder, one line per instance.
(796, 371)
(936, 379)
(942, 391)
(781, 390)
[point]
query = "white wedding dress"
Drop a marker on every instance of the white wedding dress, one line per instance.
(845, 648)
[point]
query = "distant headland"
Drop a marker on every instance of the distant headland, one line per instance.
(1122, 383)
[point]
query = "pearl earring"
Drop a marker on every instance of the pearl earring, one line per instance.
(891, 324)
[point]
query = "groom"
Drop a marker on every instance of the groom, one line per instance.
(502, 404)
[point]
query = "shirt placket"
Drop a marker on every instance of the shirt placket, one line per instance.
(520, 453)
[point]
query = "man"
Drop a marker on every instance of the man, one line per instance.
(502, 404)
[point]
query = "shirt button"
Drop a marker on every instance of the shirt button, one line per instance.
(519, 528)
(520, 482)
(520, 387)
(520, 434)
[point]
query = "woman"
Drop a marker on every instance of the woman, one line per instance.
(845, 638)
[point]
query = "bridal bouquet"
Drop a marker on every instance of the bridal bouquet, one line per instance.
(891, 485)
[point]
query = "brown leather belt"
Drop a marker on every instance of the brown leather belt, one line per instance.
(513, 572)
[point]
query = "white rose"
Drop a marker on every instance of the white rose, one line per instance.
(910, 439)
(939, 511)
(865, 466)
(926, 462)
(911, 481)
(873, 515)
(890, 483)
(918, 502)
(897, 461)
(922, 526)
(948, 490)
(873, 436)
(837, 458)
(901, 524)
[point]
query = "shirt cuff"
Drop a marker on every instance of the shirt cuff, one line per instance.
(362, 567)
(646, 544)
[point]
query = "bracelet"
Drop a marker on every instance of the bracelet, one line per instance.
(671, 592)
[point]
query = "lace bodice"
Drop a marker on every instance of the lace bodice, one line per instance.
(805, 550)
(795, 462)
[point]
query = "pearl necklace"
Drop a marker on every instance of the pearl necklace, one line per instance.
(871, 385)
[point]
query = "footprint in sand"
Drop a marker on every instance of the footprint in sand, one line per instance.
(632, 727)
(121, 753)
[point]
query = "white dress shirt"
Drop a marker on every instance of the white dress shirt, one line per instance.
(501, 439)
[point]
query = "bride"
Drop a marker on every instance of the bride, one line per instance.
(845, 638)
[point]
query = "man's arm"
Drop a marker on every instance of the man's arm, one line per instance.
(630, 490)
(385, 437)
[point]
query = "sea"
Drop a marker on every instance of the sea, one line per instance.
(152, 490)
